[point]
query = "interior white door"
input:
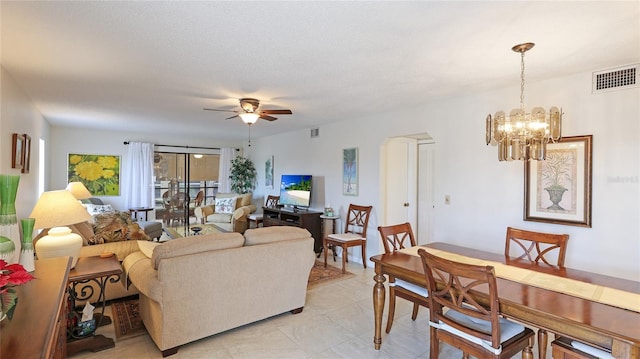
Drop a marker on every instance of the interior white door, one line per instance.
(400, 181)
(426, 203)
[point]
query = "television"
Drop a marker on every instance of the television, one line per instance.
(295, 191)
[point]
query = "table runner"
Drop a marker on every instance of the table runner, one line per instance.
(597, 293)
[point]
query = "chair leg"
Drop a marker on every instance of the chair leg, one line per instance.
(414, 314)
(364, 253)
(345, 254)
(392, 309)
(325, 248)
(434, 351)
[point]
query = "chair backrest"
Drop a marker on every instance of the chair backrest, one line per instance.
(536, 246)
(179, 200)
(450, 285)
(272, 201)
(198, 200)
(397, 237)
(357, 219)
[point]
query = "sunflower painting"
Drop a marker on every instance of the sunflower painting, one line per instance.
(99, 173)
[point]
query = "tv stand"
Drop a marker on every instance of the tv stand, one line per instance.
(303, 218)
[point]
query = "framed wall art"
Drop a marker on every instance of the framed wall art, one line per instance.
(350, 171)
(268, 172)
(26, 154)
(99, 173)
(558, 189)
(17, 151)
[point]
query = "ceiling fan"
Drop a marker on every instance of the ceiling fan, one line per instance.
(249, 112)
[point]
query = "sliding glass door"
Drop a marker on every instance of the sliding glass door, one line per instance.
(183, 181)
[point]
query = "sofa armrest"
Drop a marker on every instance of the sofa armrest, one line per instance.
(240, 218)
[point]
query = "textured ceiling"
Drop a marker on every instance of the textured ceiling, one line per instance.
(116, 65)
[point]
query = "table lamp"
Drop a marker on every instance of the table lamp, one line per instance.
(78, 190)
(54, 210)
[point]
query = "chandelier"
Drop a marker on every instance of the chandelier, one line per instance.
(522, 135)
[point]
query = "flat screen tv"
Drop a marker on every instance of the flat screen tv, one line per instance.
(295, 190)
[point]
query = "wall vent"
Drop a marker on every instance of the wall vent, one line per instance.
(616, 78)
(315, 132)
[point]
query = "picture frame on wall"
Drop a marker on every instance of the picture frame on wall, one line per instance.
(26, 162)
(99, 173)
(558, 189)
(17, 151)
(268, 172)
(350, 171)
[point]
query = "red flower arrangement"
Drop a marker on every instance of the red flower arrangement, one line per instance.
(11, 275)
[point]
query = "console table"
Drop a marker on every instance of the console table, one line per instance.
(39, 325)
(309, 220)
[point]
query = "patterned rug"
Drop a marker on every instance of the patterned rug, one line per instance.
(321, 275)
(126, 319)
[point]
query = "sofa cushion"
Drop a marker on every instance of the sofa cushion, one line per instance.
(195, 244)
(242, 199)
(226, 205)
(219, 218)
(265, 235)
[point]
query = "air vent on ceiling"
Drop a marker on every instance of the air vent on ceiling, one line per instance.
(315, 132)
(616, 78)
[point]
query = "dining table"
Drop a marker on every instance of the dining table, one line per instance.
(603, 325)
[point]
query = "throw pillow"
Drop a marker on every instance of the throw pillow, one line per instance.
(95, 209)
(226, 205)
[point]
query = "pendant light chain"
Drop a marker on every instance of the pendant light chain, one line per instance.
(522, 80)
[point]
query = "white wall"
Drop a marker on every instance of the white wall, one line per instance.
(18, 115)
(65, 140)
(487, 195)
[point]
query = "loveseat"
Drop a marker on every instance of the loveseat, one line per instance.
(194, 287)
(229, 213)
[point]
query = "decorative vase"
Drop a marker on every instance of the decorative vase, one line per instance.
(26, 254)
(555, 196)
(8, 219)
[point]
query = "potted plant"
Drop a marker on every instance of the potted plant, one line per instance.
(243, 175)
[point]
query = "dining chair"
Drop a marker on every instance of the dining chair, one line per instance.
(476, 329)
(355, 234)
(396, 237)
(565, 348)
(257, 218)
(175, 208)
(537, 247)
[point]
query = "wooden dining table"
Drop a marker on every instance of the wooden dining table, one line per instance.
(588, 321)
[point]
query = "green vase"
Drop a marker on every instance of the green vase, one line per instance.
(26, 253)
(8, 220)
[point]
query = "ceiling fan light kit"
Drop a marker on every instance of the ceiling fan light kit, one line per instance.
(522, 135)
(249, 118)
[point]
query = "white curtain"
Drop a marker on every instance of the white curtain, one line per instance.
(226, 155)
(137, 175)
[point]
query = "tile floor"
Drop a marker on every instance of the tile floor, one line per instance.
(337, 322)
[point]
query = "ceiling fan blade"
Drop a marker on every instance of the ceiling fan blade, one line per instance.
(277, 112)
(267, 117)
(228, 118)
(216, 109)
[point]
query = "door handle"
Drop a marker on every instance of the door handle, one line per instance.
(406, 204)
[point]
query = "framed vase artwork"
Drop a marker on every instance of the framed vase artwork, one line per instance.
(99, 173)
(17, 151)
(268, 172)
(350, 171)
(558, 189)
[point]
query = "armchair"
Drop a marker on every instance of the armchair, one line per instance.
(227, 218)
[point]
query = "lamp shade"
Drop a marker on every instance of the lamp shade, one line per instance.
(78, 190)
(58, 208)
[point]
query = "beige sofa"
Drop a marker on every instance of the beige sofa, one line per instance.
(198, 286)
(228, 222)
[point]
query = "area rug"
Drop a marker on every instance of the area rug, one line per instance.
(321, 275)
(126, 319)
(178, 232)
